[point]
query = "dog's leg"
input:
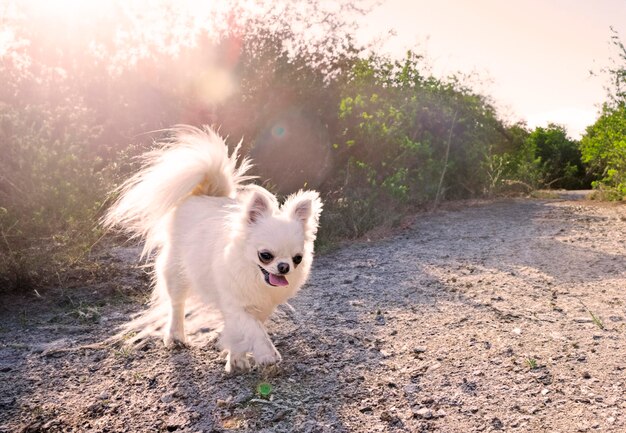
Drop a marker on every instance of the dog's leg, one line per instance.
(175, 332)
(177, 290)
(242, 334)
(236, 362)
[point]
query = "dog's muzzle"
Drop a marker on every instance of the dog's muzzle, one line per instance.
(273, 279)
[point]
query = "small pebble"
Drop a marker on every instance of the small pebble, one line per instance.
(224, 403)
(384, 416)
(424, 413)
(411, 388)
(497, 424)
(279, 415)
(167, 398)
(385, 353)
(435, 366)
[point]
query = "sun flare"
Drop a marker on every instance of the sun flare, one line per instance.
(66, 11)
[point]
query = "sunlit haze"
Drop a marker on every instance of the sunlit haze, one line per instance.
(535, 56)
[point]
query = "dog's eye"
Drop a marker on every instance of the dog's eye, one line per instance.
(265, 256)
(297, 259)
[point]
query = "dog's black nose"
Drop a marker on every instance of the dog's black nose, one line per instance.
(283, 268)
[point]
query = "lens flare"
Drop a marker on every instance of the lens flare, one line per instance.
(293, 151)
(278, 131)
(214, 85)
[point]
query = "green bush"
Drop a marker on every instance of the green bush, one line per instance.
(51, 188)
(542, 158)
(406, 138)
(558, 156)
(603, 146)
(604, 150)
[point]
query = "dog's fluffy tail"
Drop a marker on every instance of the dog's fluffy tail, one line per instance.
(192, 162)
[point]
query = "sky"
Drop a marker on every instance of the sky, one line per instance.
(534, 57)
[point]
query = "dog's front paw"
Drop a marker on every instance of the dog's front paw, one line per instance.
(267, 356)
(236, 362)
(172, 341)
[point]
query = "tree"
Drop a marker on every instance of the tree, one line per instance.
(604, 149)
(616, 72)
(603, 146)
(410, 136)
(558, 155)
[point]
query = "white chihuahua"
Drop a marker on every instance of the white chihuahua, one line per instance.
(229, 244)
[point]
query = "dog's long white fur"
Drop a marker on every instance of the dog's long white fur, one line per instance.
(189, 158)
(207, 229)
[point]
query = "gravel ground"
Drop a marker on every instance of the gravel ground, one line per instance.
(500, 316)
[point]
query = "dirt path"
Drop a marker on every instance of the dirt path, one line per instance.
(506, 316)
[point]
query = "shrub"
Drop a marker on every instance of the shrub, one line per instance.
(604, 150)
(51, 188)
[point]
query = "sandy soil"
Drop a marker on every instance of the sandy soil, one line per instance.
(501, 316)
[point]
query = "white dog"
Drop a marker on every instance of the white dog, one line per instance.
(229, 244)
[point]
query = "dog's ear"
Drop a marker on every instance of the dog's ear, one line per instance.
(306, 207)
(258, 207)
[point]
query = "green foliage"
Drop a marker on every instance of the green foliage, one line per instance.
(558, 157)
(617, 72)
(51, 188)
(407, 136)
(603, 146)
(542, 158)
(604, 150)
(531, 363)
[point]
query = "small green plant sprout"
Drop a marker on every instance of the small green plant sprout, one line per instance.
(596, 320)
(124, 352)
(532, 363)
(128, 335)
(264, 389)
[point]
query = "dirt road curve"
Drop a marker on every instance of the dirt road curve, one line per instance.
(505, 316)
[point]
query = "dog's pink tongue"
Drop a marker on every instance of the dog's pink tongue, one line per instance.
(278, 280)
